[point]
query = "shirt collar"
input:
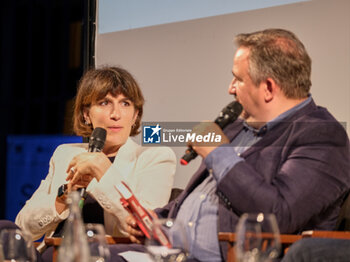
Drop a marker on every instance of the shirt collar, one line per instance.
(272, 123)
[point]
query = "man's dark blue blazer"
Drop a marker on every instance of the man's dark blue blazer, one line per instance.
(299, 170)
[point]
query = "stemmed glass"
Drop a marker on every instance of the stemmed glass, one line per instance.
(257, 238)
(16, 246)
(96, 236)
(168, 241)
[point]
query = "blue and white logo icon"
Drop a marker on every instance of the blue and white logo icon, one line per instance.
(151, 134)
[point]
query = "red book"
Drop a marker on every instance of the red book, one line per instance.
(142, 217)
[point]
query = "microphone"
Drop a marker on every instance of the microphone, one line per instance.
(97, 140)
(96, 143)
(228, 115)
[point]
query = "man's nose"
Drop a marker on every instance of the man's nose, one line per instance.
(232, 88)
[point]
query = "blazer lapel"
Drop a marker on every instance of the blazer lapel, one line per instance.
(126, 157)
(233, 129)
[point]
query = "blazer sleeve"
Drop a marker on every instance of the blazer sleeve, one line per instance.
(309, 174)
(39, 215)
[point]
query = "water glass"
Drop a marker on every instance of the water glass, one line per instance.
(257, 238)
(16, 246)
(168, 241)
(96, 236)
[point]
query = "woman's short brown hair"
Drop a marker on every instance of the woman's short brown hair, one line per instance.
(95, 85)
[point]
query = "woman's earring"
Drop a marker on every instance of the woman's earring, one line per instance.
(86, 122)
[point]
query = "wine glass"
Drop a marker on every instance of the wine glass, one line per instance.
(96, 236)
(16, 246)
(257, 238)
(168, 241)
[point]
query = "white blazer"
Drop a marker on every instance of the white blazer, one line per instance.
(149, 172)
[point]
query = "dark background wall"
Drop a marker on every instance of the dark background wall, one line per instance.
(41, 51)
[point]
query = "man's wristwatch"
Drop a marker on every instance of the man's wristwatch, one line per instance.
(62, 190)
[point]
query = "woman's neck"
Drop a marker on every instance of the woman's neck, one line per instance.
(111, 151)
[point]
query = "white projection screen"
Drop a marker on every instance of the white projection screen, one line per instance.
(181, 53)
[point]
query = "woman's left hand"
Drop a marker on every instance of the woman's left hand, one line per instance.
(86, 166)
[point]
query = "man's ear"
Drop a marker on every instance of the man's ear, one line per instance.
(270, 88)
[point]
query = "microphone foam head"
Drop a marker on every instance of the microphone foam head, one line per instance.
(229, 114)
(98, 138)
